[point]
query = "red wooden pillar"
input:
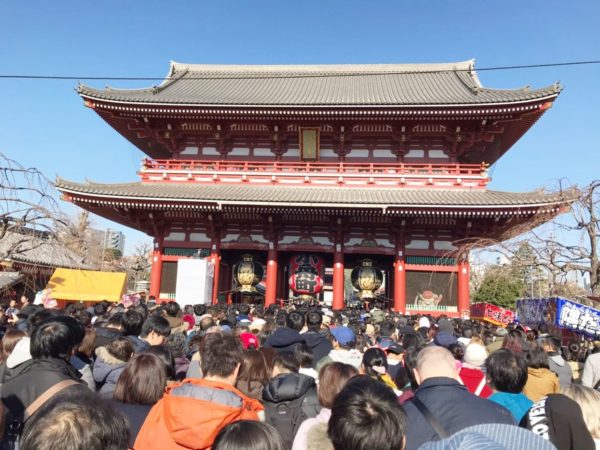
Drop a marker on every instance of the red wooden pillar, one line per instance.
(338, 278)
(271, 291)
(215, 257)
(156, 269)
(399, 283)
(463, 301)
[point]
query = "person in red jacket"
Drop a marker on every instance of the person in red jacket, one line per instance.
(471, 374)
(192, 412)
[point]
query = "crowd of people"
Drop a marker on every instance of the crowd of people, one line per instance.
(245, 377)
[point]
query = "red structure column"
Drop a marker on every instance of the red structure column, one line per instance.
(338, 278)
(271, 291)
(463, 297)
(215, 257)
(156, 269)
(399, 283)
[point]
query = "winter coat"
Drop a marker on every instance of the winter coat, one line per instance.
(32, 378)
(318, 439)
(252, 389)
(453, 406)
(136, 415)
(319, 344)
(182, 364)
(352, 357)
(191, 413)
(283, 338)
(472, 379)
(591, 370)
(301, 439)
(287, 387)
(105, 335)
(517, 404)
(106, 371)
(561, 368)
(139, 345)
(540, 382)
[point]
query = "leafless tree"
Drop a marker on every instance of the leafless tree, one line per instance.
(28, 209)
(563, 248)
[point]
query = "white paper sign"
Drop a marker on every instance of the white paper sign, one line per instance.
(194, 282)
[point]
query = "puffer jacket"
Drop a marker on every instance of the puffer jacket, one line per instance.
(106, 371)
(454, 407)
(285, 388)
(191, 414)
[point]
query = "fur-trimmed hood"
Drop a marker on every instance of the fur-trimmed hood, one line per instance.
(103, 353)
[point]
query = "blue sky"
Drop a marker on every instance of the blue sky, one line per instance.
(44, 123)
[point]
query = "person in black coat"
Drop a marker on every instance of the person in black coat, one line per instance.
(290, 397)
(286, 338)
(318, 343)
(447, 400)
(53, 341)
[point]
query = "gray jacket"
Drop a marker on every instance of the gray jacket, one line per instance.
(561, 368)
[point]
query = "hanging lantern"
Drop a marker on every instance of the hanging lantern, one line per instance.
(248, 273)
(306, 280)
(366, 278)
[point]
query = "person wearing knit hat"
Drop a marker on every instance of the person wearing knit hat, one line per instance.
(424, 322)
(249, 340)
(559, 420)
(471, 374)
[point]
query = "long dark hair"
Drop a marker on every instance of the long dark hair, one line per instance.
(374, 360)
(252, 368)
(143, 381)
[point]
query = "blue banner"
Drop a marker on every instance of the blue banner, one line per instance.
(578, 318)
(559, 312)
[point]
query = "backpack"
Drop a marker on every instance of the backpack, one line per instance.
(287, 416)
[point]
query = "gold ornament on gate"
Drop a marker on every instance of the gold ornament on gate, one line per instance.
(367, 279)
(248, 273)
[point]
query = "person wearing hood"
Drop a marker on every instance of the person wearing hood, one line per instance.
(290, 397)
(541, 381)
(287, 337)
(556, 362)
(191, 412)
(445, 334)
(316, 340)
(110, 363)
(343, 341)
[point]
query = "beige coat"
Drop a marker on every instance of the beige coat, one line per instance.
(540, 382)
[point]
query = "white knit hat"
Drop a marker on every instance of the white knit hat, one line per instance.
(424, 322)
(475, 355)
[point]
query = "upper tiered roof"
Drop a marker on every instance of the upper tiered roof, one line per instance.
(385, 85)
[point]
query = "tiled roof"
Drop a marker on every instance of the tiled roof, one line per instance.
(32, 249)
(7, 279)
(310, 196)
(321, 85)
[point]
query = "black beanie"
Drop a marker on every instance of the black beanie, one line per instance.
(559, 419)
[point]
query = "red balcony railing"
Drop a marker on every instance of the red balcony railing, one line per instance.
(321, 173)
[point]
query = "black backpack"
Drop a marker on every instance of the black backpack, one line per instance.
(287, 416)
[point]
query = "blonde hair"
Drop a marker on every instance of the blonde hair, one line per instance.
(588, 400)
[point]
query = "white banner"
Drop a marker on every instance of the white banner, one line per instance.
(194, 282)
